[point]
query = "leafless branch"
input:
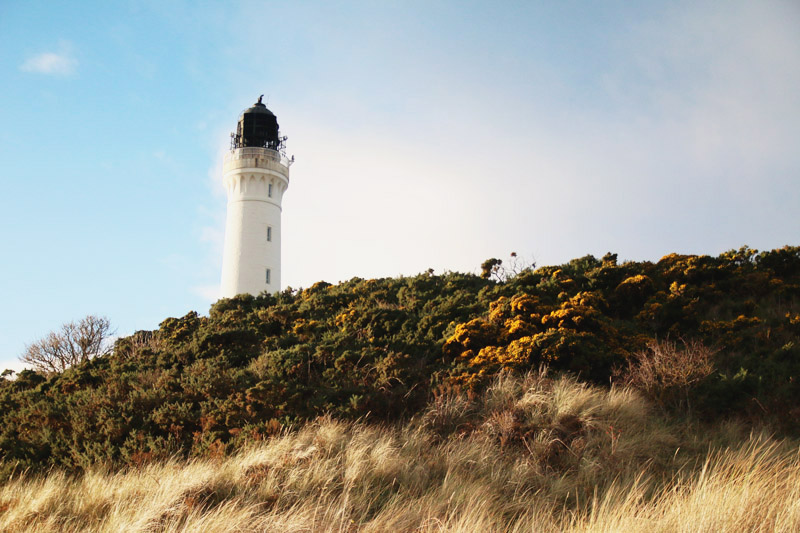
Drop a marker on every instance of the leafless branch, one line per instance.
(74, 343)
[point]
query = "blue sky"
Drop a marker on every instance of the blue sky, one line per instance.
(426, 134)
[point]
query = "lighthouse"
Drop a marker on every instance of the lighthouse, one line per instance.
(255, 176)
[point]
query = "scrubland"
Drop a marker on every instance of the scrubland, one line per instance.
(530, 453)
(413, 404)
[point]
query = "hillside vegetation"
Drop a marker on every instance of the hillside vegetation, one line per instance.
(380, 350)
(531, 453)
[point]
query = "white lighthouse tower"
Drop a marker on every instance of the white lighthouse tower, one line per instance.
(255, 175)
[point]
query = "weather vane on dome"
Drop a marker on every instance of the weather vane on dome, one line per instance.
(259, 98)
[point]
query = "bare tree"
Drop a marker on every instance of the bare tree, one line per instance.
(136, 345)
(493, 268)
(668, 372)
(74, 343)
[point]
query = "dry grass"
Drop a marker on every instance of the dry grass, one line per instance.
(533, 454)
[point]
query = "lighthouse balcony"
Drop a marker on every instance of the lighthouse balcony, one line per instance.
(253, 156)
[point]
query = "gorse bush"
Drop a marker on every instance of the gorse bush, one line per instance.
(203, 386)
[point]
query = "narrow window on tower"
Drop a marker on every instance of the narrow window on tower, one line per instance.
(269, 233)
(268, 273)
(269, 190)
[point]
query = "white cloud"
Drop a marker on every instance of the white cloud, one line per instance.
(61, 63)
(209, 293)
(13, 364)
(696, 122)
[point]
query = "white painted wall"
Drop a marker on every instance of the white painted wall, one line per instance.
(247, 175)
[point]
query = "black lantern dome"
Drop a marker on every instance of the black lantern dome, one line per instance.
(258, 126)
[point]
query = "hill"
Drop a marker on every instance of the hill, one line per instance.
(381, 349)
(531, 453)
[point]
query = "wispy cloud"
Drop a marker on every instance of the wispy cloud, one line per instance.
(59, 63)
(209, 293)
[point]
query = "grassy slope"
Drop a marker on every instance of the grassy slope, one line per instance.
(531, 454)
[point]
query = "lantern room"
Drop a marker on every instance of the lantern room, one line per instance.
(257, 127)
